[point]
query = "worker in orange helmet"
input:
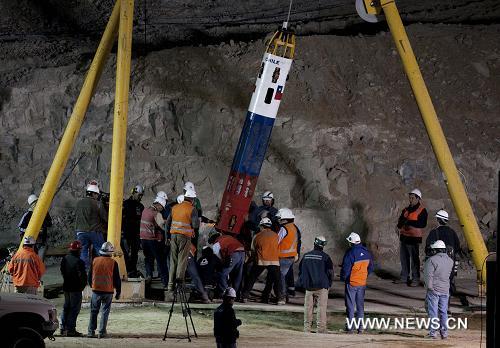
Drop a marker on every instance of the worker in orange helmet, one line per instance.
(26, 268)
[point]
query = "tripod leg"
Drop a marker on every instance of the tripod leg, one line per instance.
(184, 311)
(191, 318)
(174, 298)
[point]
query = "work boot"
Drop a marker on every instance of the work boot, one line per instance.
(281, 302)
(74, 333)
(431, 337)
(63, 332)
(400, 281)
(102, 335)
(414, 283)
(91, 334)
(264, 300)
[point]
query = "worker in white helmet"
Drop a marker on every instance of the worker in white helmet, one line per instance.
(450, 238)
(41, 241)
(26, 268)
(131, 225)
(411, 226)
(225, 322)
(91, 221)
(152, 235)
(357, 264)
(267, 209)
(437, 271)
(316, 276)
(181, 227)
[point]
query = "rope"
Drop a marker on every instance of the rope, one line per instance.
(289, 11)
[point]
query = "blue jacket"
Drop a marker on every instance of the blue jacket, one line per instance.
(315, 270)
(357, 264)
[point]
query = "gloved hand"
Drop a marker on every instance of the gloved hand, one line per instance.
(117, 296)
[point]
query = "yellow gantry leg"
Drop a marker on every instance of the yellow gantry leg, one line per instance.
(120, 128)
(438, 141)
(74, 124)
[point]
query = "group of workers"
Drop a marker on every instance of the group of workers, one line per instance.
(270, 241)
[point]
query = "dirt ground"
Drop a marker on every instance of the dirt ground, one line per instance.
(145, 326)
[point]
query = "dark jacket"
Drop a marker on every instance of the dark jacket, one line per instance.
(25, 220)
(90, 216)
(420, 223)
(73, 273)
(315, 270)
(226, 324)
(117, 281)
(132, 212)
(448, 236)
(356, 265)
(207, 265)
(256, 215)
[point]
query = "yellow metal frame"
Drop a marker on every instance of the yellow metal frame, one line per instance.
(437, 138)
(121, 20)
(282, 44)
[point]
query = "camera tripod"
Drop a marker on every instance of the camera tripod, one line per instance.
(180, 294)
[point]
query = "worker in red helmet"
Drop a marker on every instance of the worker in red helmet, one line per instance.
(75, 279)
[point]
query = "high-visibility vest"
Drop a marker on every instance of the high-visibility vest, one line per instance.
(26, 268)
(149, 228)
(266, 247)
(102, 274)
(181, 219)
(411, 231)
(288, 245)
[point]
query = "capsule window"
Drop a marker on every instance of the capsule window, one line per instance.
(276, 75)
(269, 95)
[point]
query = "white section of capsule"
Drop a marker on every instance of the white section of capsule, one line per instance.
(272, 74)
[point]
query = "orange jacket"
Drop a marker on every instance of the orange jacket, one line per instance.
(288, 245)
(411, 231)
(102, 274)
(181, 219)
(265, 245)
(26, 268)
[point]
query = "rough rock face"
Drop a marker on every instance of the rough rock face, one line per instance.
(160, 22)
(347, 146)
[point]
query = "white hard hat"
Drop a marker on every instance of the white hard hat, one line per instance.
(93, 188)
(107, 248)
(229, 292)
(32, 198)
(285, 213)
(189, 186)
(354, 238)
(442, 214)
(138, 189)
(161, 201)
(162, 194)
(265, 222)
(320, 241)
(268, 195)
(416, 192)
(180, 199)
(29, 240)
(190, 194)
(439, 244)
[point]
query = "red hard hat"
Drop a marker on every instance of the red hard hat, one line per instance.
(75, 245)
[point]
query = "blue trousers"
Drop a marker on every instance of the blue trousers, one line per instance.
(100, 302)
(192, 270)
(155, 250)
(437, 307)
(89, 240)
(235, 270)
(71, 309)
(285, 265)
(354, 302)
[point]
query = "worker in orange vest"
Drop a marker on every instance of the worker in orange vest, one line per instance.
(411, 226)
(26, 268)
(289, 241)
(181, 226)
(104, 277)
(266, 253)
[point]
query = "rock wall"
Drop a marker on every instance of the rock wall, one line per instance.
(347, 146)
